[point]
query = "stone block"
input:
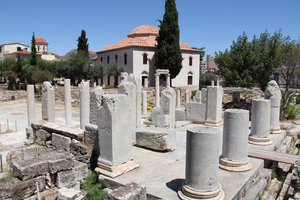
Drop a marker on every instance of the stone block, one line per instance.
(73, 133)
(95, 104)
(80, 170)
(48, 102)
(195, 112)
(65, 178)
(81, 152)
(50, 194)
(162, 121)
(29, 152)
(69, 194)
(214, 104)
(130, 191)
(155, 112)
(60, 161)
(42, 136)
(13, 188)
(179, 115)
(91, 134)
(60, 142)
(159, 139)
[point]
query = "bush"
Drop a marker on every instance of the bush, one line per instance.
(287, 110)
(298, 99)
(92, 187)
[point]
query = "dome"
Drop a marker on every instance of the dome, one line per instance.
(144, 30)
(40, 41)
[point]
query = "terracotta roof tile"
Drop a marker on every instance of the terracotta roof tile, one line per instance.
(40, 41)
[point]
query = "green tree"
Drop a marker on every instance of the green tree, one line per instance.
(113, 69)
(167, 52)
(33, 60)
(247, 63)
(39, 76)
(83, 45)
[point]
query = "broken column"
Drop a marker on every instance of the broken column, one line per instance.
(168, 104)
(114, 136)
(274, 94)
(214, 105)
(260, 122)
(84, 89)
(138, 84)
(157, 90)
(145, 104)
(235, 141)
(201, 168)
(95, 104)
(129, 89)
(48, 102)
(30, 104)
(68, 105)
(178, 99)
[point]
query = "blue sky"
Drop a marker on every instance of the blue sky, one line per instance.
(212, 24)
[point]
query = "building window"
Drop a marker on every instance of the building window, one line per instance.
(190, 78)
(19, 49)
(101, 59)
(145, 58)
(116, 58)
(107, 59)
(44, 48)
(125, 59)
(0, 49)
(190, 61)
(38, 48)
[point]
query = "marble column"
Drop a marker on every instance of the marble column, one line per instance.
(168, 80)
(68, 105)
(157, 91)
(260, 122)
(30, 104)
(48, 102)
(235, 141)
(84, 104)
(201, 168)
(187, 96)
(178, 99)
(145, 104)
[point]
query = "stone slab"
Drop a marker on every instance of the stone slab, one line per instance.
(179, 115)
(159, 139)
(65, 179)
(195, 112)
(128, 192)
(68, 194)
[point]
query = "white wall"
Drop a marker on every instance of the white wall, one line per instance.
(139, 67)
(10, 48)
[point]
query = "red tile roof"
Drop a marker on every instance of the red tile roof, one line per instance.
(142, 36)
(40, 41)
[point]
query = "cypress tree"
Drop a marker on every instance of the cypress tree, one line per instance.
(82, 45)
(167, 53)
(33, 60)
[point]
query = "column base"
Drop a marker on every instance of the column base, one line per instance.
(260, 141)
(116, 170)
(214, 123)
(275, 131)
(233, 166)
(187, 193)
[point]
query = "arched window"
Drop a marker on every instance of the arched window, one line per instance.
(125, 59)
(101, 59)
(190, 78)
(116, 58)
(145, 58)
(190, 61)
(107, 59)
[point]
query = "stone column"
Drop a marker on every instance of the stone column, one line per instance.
(235, 141)
(274, 94)
(30, 104)
(114, 136)
(260, 122)
(145, 104)
(129, 89)
(168, 80)
(168, 104)
(214, 105)
(178, 99)
(198, 96)
(95, 104)
(187, 96)
(138, 84)
(212, 83)
(203, 95)
(68, 105)
(146, 83)
(48, 102)
(157, 90)
(84, 104)
(201, 167)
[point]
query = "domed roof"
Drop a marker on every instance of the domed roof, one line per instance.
(144, 30)
(40, 41)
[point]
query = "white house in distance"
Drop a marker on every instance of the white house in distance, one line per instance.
(10, 50)
(41, 46)
(135, 53)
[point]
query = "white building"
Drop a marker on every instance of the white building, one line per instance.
(11, 49)
(135, 54)
(41, 46)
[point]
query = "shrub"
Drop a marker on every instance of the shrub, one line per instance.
(298, 99)
(92, 187)
(206, 78)
(287, 110)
